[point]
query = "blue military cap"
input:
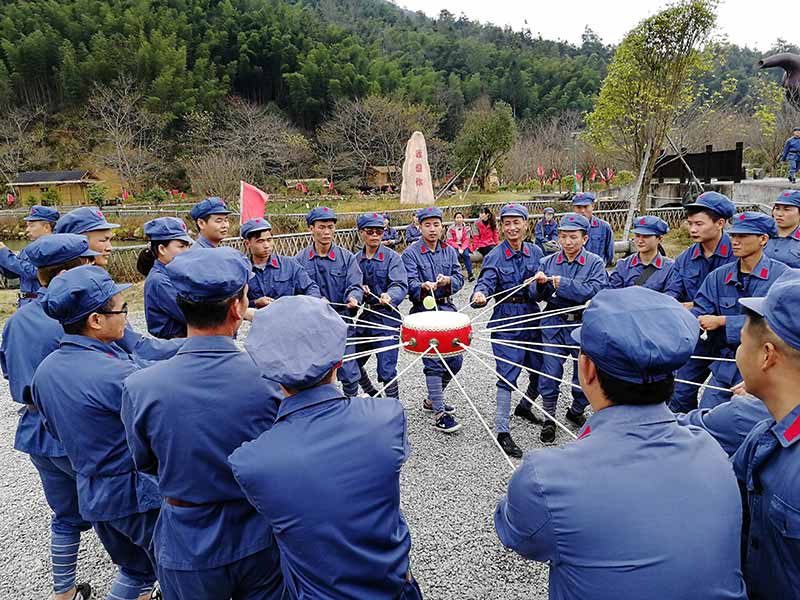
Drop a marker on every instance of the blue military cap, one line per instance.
(650, 225)
(297, 340)
(370, 220)
(573, 222)
(79, 292)
(58, 248)
(431, 212)
(322, 213)
(166, 228)
(43, 213)
(779, 307)
(637, 334)
(514, 210)
(254, 226)
(207, 207)
(583, 198)
(209, 274)
(83, 220)
(755, 223)
(795, 128)
(789, 198)
(715, 201)
(549, 210)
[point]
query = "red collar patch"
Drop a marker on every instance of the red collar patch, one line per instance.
(696, 252)
(380, 256)
(658, 262)
(728, 277)
(723, 250)
(792, 431)
(525, 251)
(508, 253)
(796, 234)
(764, 273)
(582, 259)
(423, 248)
(585, 433)
(635, 260)
(595, 223)
(331, 255)
(560, 258)
(274, 262)
(311, 253)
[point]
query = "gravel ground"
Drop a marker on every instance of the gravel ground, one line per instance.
(450, 487)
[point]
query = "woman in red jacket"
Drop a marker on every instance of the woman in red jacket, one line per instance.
(459, 236)
(487, 237)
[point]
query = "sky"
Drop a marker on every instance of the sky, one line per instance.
(741, 21)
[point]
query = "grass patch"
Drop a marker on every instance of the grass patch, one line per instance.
(8, 303)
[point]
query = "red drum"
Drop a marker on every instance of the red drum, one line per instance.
(436, 328)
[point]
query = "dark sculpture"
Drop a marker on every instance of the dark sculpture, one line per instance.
(790, 63)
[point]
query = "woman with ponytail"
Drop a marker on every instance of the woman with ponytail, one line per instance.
(168, 238)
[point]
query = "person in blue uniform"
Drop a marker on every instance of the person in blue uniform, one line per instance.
(412, 231)
(209, 541)
(274, 276)
(729, 422)
(168, 238)
(648, 267)
(785, 246)
(390, 238)
(509, 265)
(546, 232)
(385, 286)
(92, 223)
(601, 236)
(78, 390)
(791, 153)
(639, 506)
(39, 222)
(29, 336)
(326, 476)
(706, 218)
(210, 216)
(567, 278)
(335, 271)
(768, 462)
(433, 270)
(716, 304)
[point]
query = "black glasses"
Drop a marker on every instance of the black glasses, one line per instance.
(123, 311)
(373, 231)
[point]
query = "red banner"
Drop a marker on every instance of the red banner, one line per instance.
(251, 202)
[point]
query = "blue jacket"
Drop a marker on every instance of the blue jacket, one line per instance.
(581, 279)
(719, 295)
(390, 235)
(601, 240)
(164, 319)
(383, 273)
(424, 265)
(337, 275)
(637, 508)
(503, 269)
(327, 478)
(78, 390)
(791, 147)
(729, 422)
(171, 426)
(17, 265)
(203, 242)
(628, 270)
(545, 232)
(768, 465)
(785, 249)
(412, 234)
(280, 276)
(29, 336)
(692, 268)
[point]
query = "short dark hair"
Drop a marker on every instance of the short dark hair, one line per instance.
(764, 332)
(711, 214)
(458, 212)
(205, 315)
(619, 391)
(46, 274)
(79, 327)
(256, 234)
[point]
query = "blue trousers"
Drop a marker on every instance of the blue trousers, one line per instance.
(532, 360)
(387, 361)
(684, 398)
(794, 161)
(724, 375)
(255, 577)
(554, 366)
(129, 543)
(463, 257)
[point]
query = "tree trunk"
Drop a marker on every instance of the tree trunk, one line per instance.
(646, 177)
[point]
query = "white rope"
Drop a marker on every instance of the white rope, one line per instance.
(538, 317)
(511, 362)
(367, 325)
(411, 364)
(714, 358)
(496, 302)
(531, 328)
(362, 341)
(532, 343)
(712, 387)
(364, 353)
(385, 316)
(390, 305)
(537, 350)
(538, 407)
(475, 410)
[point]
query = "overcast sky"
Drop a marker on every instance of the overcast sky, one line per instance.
(743, 21)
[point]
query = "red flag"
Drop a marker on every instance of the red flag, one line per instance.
(609, 174)
(555, 174)
(301, 187)
(578, 176)
(540, 171)
(183, 195)
(125, 195)
(251, 202)
(10, 199)
(593, 174)
(330, 186)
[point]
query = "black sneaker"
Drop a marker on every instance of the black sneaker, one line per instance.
(508, 445)
(446, 424)
(156, 593)
(471, 278)
(548, 434)
(577, 419)
(83, 591)
(527, 414)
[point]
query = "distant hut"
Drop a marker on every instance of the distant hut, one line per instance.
(381, 177)
(71, 186)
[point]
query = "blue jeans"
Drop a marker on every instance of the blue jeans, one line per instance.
(463, 257)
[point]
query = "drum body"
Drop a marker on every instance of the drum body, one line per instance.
(443, 330)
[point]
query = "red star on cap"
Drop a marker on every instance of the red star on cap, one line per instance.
(374, 214)
(642, 222)
(742, 217)
(787, 193)
(572, 218)
(183, 226)
(98, 213)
